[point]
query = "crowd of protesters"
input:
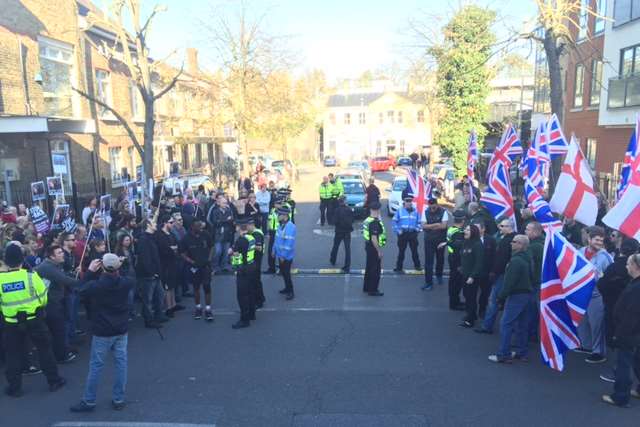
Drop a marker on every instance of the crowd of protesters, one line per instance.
(161, 260)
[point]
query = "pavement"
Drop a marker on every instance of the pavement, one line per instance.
(333, 356)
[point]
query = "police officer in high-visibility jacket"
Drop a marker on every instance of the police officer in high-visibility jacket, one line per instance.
(325, 198)
(284, 249)
(243, 262)
(258, 235)
(272, 225)
(455, 240)
(375, 239)
(406, 224)
(23, 297)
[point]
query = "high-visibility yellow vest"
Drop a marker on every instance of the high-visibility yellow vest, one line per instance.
(326, 191)
(258, 231)
(237, 260)
(337, 189)
(21, 290)
(382, 238)
(451, 231)
(272, 222)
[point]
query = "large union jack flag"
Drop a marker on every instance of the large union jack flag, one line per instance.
(420, 189)
(568, 279)
(497, 198)
(540, 207)
(633, 151)
(507, 150)
(558, 144)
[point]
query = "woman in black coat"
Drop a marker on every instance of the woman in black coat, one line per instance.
(471, 269)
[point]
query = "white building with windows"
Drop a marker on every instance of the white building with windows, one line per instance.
(359, 124)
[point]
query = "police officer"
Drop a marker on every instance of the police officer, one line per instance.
(375, 238)
(434, 224)
(406, 224)
(325, 199)
(258, 236)
(337, 190)
(455, 240)
(284, 249)
(243, 262)
(343, 229)
(287, 201)
(23, 297)
(272, 225)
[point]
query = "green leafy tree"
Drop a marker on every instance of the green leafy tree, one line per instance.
(463, 80)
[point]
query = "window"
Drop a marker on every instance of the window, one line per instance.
(625, 11)
(596, 78)
(630, 61)
(381, 118)
(420, 116)
(332, 118)
(228, 130)
(136, 101)
(579, 86)
(402, 146)
(362, 118)
(399, 116)
(131, 152)
(210, 156)
(198, 162)
(584, 20)
(592, 144)
(103, 91)
(170, 154)
(61, 162)
(185, 157)
(56, 65)
(347, 118)
(391, 116)
(379, 146)
(116, 164)
(192, 155)
(601, 12)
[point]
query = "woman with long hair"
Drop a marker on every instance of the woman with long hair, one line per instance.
(471, 269)
(124, 249)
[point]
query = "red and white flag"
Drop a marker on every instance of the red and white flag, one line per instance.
(574, 196)
(625, 215)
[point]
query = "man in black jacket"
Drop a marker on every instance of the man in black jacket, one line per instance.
(109, 296)
(343, 221)
(148, 270)
(220, 219)
(496, 275)
(484, 285)
(194, 249)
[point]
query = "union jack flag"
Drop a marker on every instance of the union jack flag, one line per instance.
(558, 144)
(568, 279)
(541, 145)
(532, 168)
(540, 207)
(506, 152)
(472, 159)
(633, 150)
(497, 198)
(420, 189)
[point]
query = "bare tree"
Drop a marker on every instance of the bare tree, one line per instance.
(132, 51)
(247, 55)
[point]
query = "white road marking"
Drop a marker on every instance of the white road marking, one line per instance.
(125, 424)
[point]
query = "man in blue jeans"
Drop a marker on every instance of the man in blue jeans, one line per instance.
(516, 292)
(502, 257)
(109, 296)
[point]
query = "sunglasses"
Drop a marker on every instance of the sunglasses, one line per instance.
(70, 240)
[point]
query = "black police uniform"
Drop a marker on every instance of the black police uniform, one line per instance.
(259, 292)
(244, 285)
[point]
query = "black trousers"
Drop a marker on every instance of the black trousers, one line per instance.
(270, 258)
(470, 293)
(372, 269)
(14, 336)
(285, 270)
(56, 325)
(342, 236)
(331, 211)
(257, 280)
(324, 210)
(245, 291)
(455, 283)
(408, 239)
(431, 251)
(484, 290)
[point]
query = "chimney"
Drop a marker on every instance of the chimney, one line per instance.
(192, 61)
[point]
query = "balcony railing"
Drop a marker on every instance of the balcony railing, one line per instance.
(624, 92)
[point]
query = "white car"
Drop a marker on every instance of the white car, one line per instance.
(395, 194)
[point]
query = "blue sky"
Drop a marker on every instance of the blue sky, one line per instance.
(341, 37)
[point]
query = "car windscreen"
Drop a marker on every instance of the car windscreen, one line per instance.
(353, 187)
(277, 164)
(342, 177)
(405, 161)
(357, 165)
(400, 185)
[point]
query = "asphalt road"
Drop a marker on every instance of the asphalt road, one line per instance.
(332, 357)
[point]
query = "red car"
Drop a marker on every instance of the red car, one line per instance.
(382, 163)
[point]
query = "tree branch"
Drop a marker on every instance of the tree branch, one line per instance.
(118, 116)
(170, 85)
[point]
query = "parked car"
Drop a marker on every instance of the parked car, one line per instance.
(395, 194)
(404, 161)
(330, 161)
(350, 174)
(181, 183)
(354, 193)
(286, 168)
(382, 164)
(361, 165)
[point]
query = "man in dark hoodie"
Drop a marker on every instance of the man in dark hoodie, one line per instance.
(148, 270)
(516, 294)
(535, 233)
(109, 296)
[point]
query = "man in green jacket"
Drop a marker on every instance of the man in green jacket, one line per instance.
(535, 233)
(516, 294)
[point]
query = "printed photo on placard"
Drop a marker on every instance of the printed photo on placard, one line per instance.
(59, 215)
(105, 205)
(38, 191)
(54, 186)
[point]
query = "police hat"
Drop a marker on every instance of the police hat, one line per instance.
(459, 214)
(375, 205)
(13, 256)
(284, 211)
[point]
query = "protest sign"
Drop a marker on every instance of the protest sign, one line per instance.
(39, 218)
(54, 186)
(38, 191)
